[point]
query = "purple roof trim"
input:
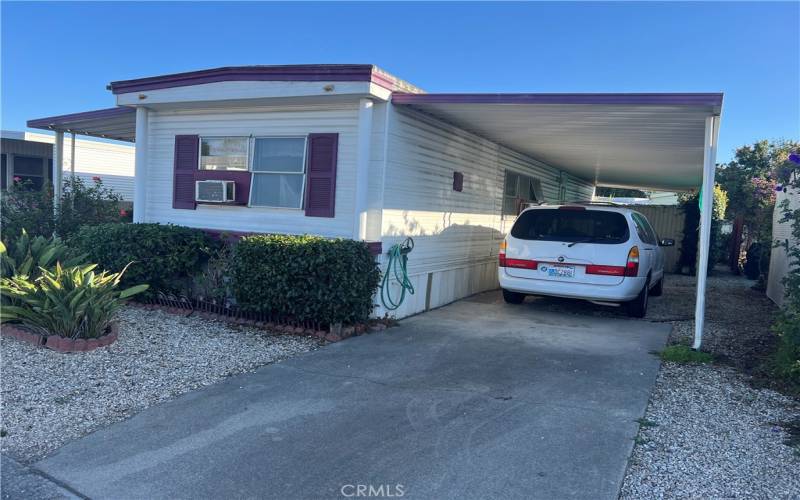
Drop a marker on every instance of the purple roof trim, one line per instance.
(707, 99)
(291, 73)
(62, 120)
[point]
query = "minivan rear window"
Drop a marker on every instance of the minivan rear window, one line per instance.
(591, 226)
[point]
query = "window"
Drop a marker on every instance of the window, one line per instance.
(519, 189)
(278, 172)
(555, 224)
(644, 229)
(223, 153)
(30, 169)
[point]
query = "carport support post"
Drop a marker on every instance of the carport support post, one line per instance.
(58, 169)
(709, 165)
(72, 158)
(140, 165)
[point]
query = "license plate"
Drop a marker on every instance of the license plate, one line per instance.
(560, 271)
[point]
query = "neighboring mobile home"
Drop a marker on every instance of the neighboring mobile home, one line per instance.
(350, 151)
(29, 156)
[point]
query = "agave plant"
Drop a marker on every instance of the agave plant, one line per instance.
(25, 255)
(73, 302)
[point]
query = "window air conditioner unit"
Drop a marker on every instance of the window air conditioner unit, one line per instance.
(214, 191)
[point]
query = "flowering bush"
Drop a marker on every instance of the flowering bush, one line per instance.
(24, 207)
(84, 205)
(763, 191)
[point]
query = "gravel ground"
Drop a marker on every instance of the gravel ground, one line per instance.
(49, 398)
(708, 434)
(709, 431)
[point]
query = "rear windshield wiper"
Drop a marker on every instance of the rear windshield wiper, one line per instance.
(585, 240)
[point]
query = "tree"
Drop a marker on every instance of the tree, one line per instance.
(750, 181)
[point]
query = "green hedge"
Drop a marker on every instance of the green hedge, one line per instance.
(307, 278)
(165, 257)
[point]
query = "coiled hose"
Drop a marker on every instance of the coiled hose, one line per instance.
(397, 268)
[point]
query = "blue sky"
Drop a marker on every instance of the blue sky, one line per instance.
(58, 57)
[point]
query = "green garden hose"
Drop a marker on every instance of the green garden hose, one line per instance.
(397, 267)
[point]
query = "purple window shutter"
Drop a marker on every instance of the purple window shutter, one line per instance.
(321, 175)
(186, 162)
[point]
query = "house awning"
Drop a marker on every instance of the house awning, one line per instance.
(651, 141)
(113, 123)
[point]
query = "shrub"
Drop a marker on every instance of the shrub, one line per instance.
(25, 255)
(691, 233)
(213, 284)
(164, 256)
(72, 302)
(787, 355)
(86, 205)
(22, 207)
(307, 278)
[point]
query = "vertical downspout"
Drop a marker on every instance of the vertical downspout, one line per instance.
(140, 164)
(709, 166)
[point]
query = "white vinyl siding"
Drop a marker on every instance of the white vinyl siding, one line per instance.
(456, 234)
(293, 121)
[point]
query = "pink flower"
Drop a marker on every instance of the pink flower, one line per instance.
(123, 213)
(17, 178)
(96, 178)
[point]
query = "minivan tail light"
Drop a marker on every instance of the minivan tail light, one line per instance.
(520, 264)
(632, 265)
(605, 270)
(501, 257)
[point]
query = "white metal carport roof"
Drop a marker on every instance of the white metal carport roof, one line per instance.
(629, 140)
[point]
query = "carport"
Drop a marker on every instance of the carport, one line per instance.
(664, 141)
(651, 141)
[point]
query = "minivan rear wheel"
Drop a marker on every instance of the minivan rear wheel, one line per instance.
(513, 297)
(637, 308)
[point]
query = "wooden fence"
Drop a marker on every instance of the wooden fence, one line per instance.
(668, 221)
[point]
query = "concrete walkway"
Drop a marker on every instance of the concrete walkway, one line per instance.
(474, 400)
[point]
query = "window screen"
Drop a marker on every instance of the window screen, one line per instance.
(278, 172)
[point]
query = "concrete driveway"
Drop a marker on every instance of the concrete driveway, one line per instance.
(474, 400)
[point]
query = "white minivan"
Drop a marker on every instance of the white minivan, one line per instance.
(605, 254)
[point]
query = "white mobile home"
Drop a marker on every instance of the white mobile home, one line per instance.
(351, 151)
(29, 156)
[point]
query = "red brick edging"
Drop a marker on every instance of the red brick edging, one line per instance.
(60, 344)
(330, 336)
